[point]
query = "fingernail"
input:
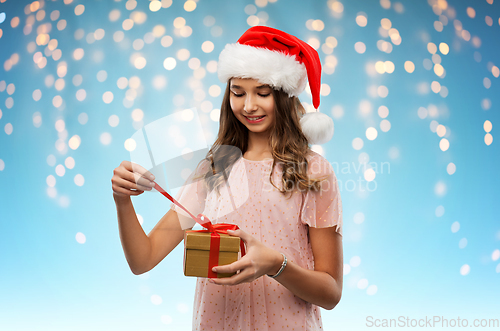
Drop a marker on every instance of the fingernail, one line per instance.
(152, 184)
(214, 269)
(152, 177)
(211, 280)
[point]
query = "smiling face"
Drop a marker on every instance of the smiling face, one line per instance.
(249, 100)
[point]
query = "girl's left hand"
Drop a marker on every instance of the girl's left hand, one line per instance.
(258, 261)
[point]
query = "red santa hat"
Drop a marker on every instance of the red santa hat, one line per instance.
(284, 62)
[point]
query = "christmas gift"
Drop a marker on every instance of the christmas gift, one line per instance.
(205, 249)
(202, 251)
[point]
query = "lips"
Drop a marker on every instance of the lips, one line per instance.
(254, 117)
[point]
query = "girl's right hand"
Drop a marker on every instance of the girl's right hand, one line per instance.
(131, 179)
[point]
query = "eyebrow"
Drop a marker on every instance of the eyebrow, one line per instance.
(258, 87)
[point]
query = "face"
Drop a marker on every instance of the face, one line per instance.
(249, 100)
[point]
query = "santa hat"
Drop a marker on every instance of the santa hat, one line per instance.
(283, 61)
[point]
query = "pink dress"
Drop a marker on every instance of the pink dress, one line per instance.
(281, 224)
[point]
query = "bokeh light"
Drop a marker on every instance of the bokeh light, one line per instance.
(361, 19)
(464, 270)
(360, 47)
(105, 138)
(80, 238)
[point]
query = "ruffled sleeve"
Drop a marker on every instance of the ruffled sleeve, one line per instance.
(192, 196)
(323, 208)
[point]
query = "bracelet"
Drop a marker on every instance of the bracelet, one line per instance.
(283, 265)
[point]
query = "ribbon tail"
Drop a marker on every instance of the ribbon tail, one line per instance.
(168, 196)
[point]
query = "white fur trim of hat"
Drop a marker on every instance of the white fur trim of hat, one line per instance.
(274, 68)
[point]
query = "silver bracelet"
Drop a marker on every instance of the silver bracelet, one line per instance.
(283, 265)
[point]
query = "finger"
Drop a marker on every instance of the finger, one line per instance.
(139, 180)
(141, 171)
(133, 178)
(130, 185)
(232, 267)
(235, 233)
(242, 277)
(240, 233)
(126, 192)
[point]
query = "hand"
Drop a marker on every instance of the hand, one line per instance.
(131, 179)
(258, 261)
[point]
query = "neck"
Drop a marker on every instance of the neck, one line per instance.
(258, 142)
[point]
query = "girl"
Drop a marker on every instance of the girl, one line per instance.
(292, 221)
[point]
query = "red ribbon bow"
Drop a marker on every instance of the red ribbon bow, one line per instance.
(213, 229)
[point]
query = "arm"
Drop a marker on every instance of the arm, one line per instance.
(143, 252)
(321, 286)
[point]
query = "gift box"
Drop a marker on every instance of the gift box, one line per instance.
(199, 250)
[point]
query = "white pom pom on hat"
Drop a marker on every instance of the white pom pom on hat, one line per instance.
(317, 127)
(283, 61)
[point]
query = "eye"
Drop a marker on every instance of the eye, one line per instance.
(265, 95)
(237, 95)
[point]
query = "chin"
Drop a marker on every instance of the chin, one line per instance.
(258, 130)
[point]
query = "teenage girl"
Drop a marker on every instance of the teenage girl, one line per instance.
(292, 221)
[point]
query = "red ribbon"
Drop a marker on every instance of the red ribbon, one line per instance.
(213, 229)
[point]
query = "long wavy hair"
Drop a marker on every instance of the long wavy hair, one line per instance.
(290, 152)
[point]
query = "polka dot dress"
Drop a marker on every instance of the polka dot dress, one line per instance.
(258, 208)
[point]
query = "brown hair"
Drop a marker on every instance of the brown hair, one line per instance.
(290, 152)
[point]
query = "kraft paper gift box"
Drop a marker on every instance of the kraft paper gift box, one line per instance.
(197, 253)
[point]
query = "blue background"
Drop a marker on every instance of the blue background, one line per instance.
(408, 258)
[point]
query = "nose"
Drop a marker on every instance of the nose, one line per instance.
(250, 103)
